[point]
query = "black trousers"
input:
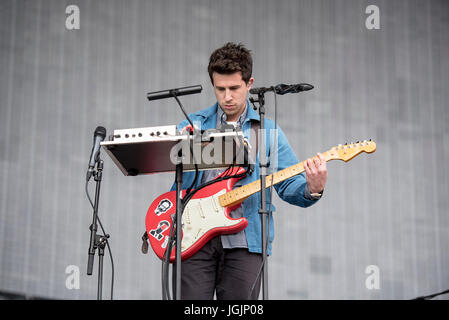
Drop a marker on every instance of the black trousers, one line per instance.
(229, 273)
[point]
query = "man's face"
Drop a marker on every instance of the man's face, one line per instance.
(231, 91)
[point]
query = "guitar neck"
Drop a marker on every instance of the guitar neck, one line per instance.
(238, 195)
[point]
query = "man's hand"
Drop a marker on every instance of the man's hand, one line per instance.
(316, 173)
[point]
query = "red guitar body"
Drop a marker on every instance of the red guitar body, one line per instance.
(203, 218)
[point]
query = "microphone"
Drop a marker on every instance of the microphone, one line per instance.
(283, 88)
(172, 92)
(99, 135)
(293, 88)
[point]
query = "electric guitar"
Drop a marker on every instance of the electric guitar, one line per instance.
(207, 214)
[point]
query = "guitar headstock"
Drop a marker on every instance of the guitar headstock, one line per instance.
(348, 151)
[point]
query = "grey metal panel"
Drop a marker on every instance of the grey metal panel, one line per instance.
(387, 209)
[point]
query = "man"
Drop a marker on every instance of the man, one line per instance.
(228, 265)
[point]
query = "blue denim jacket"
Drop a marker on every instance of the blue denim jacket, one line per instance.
(291, 190)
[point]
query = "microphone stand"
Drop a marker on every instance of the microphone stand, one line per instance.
(97, 241)
(263, 195)
(179, 211)
(279, 89)
(177, 223)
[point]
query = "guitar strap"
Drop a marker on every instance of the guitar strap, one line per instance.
(145, 244)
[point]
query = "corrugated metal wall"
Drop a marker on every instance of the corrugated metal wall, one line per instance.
(387, 209)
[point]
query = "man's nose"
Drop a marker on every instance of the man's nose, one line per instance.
(228, 96)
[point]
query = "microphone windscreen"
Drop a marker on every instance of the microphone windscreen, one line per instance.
(100, 131)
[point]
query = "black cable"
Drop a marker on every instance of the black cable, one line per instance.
(182, 108)
(166, 267)
(431, 296)
(106, 239)
(192, 193)
(223, 176)
(173, 93)
(189, 189)
(187, 197)
(167, 253)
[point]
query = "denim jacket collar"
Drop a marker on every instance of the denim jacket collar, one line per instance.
(209, 115)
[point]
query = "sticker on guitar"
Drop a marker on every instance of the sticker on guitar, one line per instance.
(161, 227)
(163, 206)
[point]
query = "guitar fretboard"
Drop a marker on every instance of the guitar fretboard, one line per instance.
(238, 195)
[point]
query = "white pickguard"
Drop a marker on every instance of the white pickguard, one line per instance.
(202, 215)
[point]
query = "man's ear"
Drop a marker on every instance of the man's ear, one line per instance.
(250, 83)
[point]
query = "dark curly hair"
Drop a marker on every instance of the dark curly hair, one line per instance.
(229, 59)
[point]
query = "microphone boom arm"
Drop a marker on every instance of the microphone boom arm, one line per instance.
(283, 88)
